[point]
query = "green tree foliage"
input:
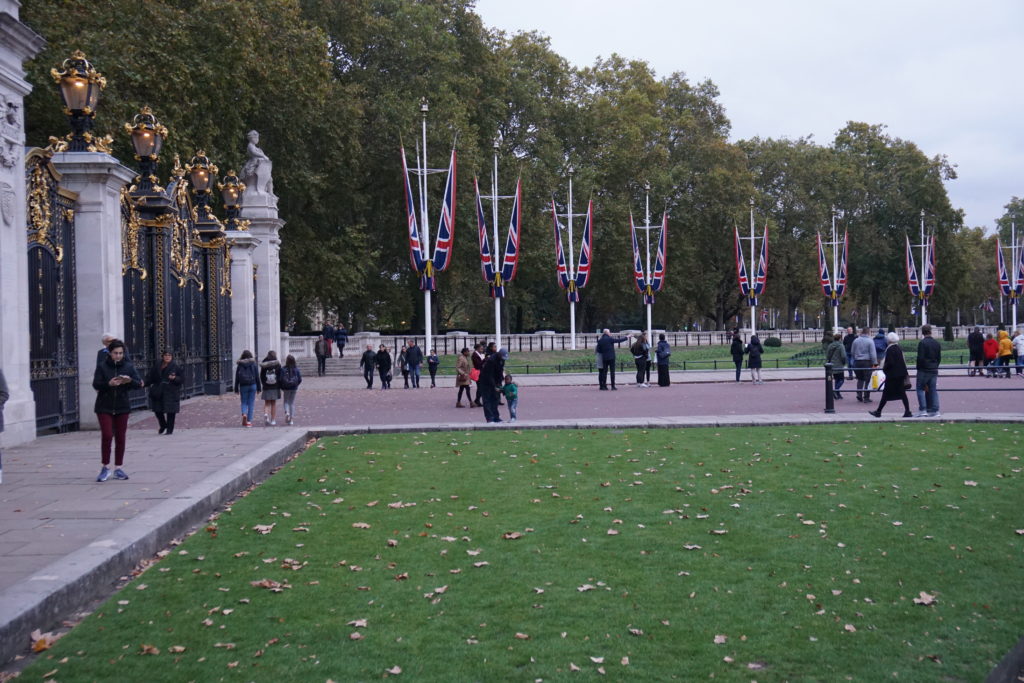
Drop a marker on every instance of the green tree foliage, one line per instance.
(334, 89)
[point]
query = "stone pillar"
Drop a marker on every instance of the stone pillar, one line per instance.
(18, 43)
(243, 315)
(98, 179)
(261, 212)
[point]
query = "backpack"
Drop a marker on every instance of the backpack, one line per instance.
(247, 374)
(289, 378)
(271, 376)
(637, 349)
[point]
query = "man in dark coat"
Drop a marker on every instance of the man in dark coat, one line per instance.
(929, 357)
(367, 363)
(606, 350)
(976, 346)
(341, 338)
(851, 336)
(414, 359)
(328, 333)
(492, 376)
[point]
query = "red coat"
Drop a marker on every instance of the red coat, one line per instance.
(991, 349)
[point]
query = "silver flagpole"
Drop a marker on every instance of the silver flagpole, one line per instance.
(1013, 271)
(924, 272)
(572, 274)
(835, 273)
(496, 249)
(753, 273)
(428, 327)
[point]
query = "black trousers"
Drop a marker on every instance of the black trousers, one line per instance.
(321, 366)
(368, 376)
(166, 421)
(605, 372)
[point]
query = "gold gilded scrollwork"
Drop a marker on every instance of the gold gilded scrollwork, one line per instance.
(225, 275)
(130, 242)
(184, 234)
(40, 212)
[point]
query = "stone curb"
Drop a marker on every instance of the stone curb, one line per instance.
(87, 573)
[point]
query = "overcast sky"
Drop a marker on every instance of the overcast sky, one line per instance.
(947, 75)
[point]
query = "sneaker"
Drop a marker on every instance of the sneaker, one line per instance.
(876, 413)
(935, 414)
(908, 414)
(289, 419)
(273, 423)
(647, 385)
(248, 424)
(245, 422)
(104, 474)
(921, 413)
(266, 419)
(120, 474)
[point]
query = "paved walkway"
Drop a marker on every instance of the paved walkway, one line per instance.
(66, 540)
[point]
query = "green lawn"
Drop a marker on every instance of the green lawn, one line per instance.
(769, 554)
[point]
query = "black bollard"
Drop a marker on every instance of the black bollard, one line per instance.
(830, 396)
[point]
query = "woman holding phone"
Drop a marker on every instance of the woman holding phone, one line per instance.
(113, 379)
(164, 382)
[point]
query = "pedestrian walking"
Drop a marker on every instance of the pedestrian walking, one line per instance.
(879, 340)
(510, 390)
(605, 348)
(1018, 350)
(976, 348)
(320, 351)
(897, 377)
(662, 355)
(270, 378)
(929, 356)
(1005, 353)
(851, 335)
(641, 351)
(291, 378)
(383, 362)
(328, 335)
(414, 358)
(5, 394)
(164, 381)
(247, 384)
(341, 339)
(864, 359)
(991, 351)
(113, 379)
(836, 355)
(478, 363)
(463, 367)
(736, 350)
(754, 351)
(432, 364)
(403, 366)
(491, 376)
(368, 363)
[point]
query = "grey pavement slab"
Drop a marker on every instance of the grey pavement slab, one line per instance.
(66, 539)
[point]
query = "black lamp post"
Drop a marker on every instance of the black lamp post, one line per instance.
(80, 86)
(148, 137)
(231, 189)
(201, 173)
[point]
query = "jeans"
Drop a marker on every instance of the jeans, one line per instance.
(1004, 362)
(112, 428)
(1020, 365)
(289, 401)
(414, 375)
(490, 400)
(247, 392)
(738, 362)
(368, 376)
(512, 406)
(849, 366)
(928, 391)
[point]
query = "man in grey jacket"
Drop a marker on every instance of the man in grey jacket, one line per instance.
(929, 356)
(865, 357)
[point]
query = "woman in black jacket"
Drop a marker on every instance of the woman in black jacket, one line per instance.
(736, 349)
(383, 361)
(164, 382)
(113, 379)
(896, 377)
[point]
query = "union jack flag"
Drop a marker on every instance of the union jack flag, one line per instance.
(912, 282)
(928, 286)
(416, 257)
(446, 225)
(511, 262)
(660, 262)
(583, 264)
(1015, 288)
(761, 279)
(823, 274)
(741, 266)
(486, 262)
(562, 269)
(638, 267)
(841, 275)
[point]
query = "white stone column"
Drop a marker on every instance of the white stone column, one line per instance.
(18, 43)
(261, 212)
(98, 179)
(243, 315)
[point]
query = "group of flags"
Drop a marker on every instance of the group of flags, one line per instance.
(493, 275)
(421, 265)
(1011, 288)
(657, 280)
(833, 290)
(752, 288)
(582, 276)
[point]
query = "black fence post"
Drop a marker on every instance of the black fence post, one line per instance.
(830, 396)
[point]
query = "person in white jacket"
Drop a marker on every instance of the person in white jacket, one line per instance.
(1018, 351)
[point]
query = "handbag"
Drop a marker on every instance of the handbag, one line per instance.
(906, 384)
(474, 375)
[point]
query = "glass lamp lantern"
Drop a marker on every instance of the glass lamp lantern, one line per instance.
(80, 85)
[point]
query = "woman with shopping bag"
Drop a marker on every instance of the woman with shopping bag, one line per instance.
(896, 378)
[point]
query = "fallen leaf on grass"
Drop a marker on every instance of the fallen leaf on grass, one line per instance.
(264, 528)
(720, 639)
(145, 649)
(360, 525)
(226, 646)
(272, 586)
(481, 564)
(176, 649)
(718, 532)
(851, 628)
(635, 632)
(511, 535)
(756, 666)
(573, 667)
(522, 636)
(586, 587)
(613, 532)
(41, 641)
(597, 660)
(394, 671)
(924, 599)
(358, 623)
(691, 546)
(355, 635)
(968, 482)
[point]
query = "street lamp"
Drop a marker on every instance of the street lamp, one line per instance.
(80, 86)
(231, 189)
(147, 135)
(201, 173)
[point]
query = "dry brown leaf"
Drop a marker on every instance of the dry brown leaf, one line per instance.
(360, 525)
(145, 649)
(522, 636)
(264, 528)
(597, 660)
(720, 639)
(233, 665)
(613, 532)
(481, 564)
(355, 635)
(624, 661)
(586, 587)
(511, 535)
(718, 532)
(41, 641)
(924, 599)
(272, 586)
(573, 667)
(756, 666)
(851, 628)
(968, 482)
(176, 649)
(402, 577)
(691, 546)
(226, 646)
(394, 671)
(635, 632)
(358, 623)
(392, 543)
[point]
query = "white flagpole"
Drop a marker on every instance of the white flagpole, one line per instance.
(572, 274)
(835, 273)
(1013, 272)
(753, 272)
(428, 327)
(924, 273)
(647, 232)
(496, 249)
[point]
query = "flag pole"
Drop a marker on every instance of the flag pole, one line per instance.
(835, 272)
(428, 327)
(1013, 269)
(924, 265)
(496, 250)
(647, 232)
(572, 274)
(753, 272)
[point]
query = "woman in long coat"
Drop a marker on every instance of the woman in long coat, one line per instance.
(164, 381)
(896, 376)
(462, 367)
(662, 354)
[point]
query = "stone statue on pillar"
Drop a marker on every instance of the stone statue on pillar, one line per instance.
(257, 174)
